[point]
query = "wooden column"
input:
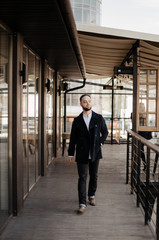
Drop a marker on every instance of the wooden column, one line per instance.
(17, 126)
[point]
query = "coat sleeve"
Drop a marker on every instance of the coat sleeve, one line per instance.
(72, 143)
(104, 131)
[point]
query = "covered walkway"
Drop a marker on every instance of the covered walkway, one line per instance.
(49, 211)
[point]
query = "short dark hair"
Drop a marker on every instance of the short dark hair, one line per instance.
(84, 96)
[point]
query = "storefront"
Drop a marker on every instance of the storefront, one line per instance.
(37, 50)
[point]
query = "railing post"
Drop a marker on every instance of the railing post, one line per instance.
(127, 160)
(138, 173)
(147, 187)
(157, 219)
(132, 167)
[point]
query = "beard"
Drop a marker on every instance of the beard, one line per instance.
(87, 109)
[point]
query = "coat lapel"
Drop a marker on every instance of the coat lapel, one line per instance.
(93, 121)
(81, 124)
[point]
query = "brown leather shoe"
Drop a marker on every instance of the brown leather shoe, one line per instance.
(92, 201)
(81, 210)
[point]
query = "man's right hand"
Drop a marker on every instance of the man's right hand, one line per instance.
(71, 159)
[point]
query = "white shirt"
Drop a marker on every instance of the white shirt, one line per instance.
(87, 119)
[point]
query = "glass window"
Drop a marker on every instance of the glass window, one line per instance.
(49, 116)
(142, 112)
(143, 76)
(152, 105)
(25, 128)
(86, 16)
(4, 112)
(152, 76)
(31, 118)
(93, 17)
(143, 90)
(87, 2)
(37, 90)
(152, 91)
(30, 113)
(148, 98)
(78, 14)
(93, 3)
(151, 120)
(78, 5)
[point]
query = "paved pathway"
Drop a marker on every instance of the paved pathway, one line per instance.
(50, 210)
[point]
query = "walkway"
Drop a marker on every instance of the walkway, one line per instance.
(49, 212)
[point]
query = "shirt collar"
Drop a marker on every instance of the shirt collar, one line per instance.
(87, 116)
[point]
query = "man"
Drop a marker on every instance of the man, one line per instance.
(88, 133)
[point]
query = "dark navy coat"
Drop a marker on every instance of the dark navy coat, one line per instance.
(82, 140)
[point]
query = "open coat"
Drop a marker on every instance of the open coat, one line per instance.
(84, 141)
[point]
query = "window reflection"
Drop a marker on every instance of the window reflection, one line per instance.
(31, 161)
(152, 91)
(152, 76)
(151, 120)
(143, 76)
(86, 11)
(143, 90)
(49, 117)
(4, 164)
(148, 98)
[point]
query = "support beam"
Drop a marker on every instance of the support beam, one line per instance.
(130, 53)
(134, 115)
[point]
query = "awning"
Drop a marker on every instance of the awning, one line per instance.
(105, 48)
(148, 55)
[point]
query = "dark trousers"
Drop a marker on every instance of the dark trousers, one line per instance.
(82, 173)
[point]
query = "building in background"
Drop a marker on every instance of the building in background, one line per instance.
(87, 11)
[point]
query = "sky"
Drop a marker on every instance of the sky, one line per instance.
(135, 15)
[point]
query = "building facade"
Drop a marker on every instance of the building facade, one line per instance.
(87, 11)
(30, 95)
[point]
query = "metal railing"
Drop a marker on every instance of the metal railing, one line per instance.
(142, 173)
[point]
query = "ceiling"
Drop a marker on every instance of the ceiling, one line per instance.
(49, 29)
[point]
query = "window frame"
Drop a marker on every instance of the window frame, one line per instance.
(148, 128)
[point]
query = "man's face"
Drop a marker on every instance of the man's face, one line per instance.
(86, 103)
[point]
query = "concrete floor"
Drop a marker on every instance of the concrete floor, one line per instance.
(50, 210)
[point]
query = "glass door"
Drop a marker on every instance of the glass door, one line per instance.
(4, 127)
(31, 120)
(49, 115)
(31, 160)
